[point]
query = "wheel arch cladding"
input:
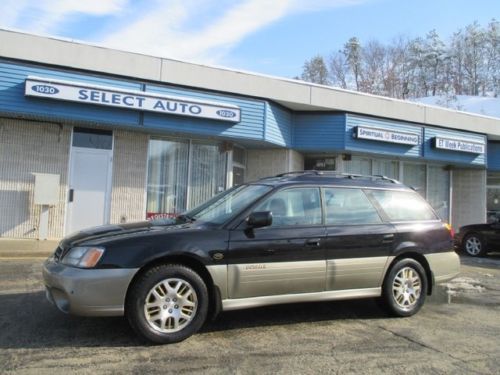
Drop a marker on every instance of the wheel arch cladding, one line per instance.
(420, 259)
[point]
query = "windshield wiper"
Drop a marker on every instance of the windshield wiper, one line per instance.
(186, 218)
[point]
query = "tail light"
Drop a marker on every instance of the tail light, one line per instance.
(450, 229)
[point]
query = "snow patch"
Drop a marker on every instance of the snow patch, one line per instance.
(464, 284)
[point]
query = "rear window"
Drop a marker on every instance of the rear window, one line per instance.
(403, 205)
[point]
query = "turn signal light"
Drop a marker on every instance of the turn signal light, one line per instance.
(83, 256)
(450, 229)
(91, 257)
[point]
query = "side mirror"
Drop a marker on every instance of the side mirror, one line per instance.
(260, 219)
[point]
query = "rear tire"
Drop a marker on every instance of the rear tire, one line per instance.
(405, 288)
(167, 304)
(473, 245)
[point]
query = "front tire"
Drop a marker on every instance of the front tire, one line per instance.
(405, 288)
(167, 304)
(473, 245)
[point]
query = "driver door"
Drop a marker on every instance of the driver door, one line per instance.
(286, 257)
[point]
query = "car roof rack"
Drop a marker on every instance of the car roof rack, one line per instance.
(338, 174)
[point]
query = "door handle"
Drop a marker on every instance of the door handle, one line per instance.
(388, 238)
(70, 197)
(315, 242)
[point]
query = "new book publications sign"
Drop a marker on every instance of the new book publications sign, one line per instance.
(459, 145)
(138, 100)
(383, 135)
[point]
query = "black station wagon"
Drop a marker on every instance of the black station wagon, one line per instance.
(296, 237)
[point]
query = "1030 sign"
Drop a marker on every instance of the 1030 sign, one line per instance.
(45, 89)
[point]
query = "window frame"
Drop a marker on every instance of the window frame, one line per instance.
(238, 222)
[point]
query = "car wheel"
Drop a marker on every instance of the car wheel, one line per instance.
(405, 288)
(473, 245)
(167, 304)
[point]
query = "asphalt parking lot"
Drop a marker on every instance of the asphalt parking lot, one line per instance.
(457, 331)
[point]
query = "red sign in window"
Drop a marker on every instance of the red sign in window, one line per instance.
(160, 215)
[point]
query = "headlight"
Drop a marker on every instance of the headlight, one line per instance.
(83, 257)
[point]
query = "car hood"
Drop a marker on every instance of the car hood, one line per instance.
(96, 235)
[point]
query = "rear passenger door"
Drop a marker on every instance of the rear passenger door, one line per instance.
(358, 242)
(286, 257)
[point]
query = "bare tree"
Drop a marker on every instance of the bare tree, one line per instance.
(473, 55)
(352, 52)
(338, 70)
(493, 56)
(374, 60)
(315, 71)
(396, 75)
(435, 57)
(468, 64)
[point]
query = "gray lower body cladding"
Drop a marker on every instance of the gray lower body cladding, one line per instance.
(87, 292)
(102, 292)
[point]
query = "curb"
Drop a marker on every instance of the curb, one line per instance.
(24, 254)
(26, 248)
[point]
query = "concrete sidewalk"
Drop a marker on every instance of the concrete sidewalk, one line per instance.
(26, 248)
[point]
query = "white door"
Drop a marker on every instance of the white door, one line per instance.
(89, 188)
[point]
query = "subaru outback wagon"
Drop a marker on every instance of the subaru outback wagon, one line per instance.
(297, 237)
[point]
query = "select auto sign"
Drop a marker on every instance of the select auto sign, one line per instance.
(130, 99)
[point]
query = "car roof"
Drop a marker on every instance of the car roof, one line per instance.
(333, 178)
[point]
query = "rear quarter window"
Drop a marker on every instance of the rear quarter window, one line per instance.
(403, 205)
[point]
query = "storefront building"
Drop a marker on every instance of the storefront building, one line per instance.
(91, 136)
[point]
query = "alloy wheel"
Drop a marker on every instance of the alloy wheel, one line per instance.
(406, 288)
(473, 246)
(170, 305)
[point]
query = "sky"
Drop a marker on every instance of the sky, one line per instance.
(273, 37)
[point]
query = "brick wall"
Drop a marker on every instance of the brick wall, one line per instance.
(28, 147)
(270, 162)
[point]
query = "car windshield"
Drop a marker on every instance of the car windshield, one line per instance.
(224, 206)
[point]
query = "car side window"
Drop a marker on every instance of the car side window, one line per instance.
(295, 206)
(403, 205)
(349, 206)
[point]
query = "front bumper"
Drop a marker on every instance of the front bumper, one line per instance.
(88, 292)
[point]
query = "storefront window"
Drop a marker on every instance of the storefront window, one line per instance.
(320, 164)
(414, 175)
(430, 181)
(208, 173)
(238, 175)
(358, 165)
(388, 168)
(239, 165)
(438, 194)
(167, 177)
(493, 197)
(182, 175)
